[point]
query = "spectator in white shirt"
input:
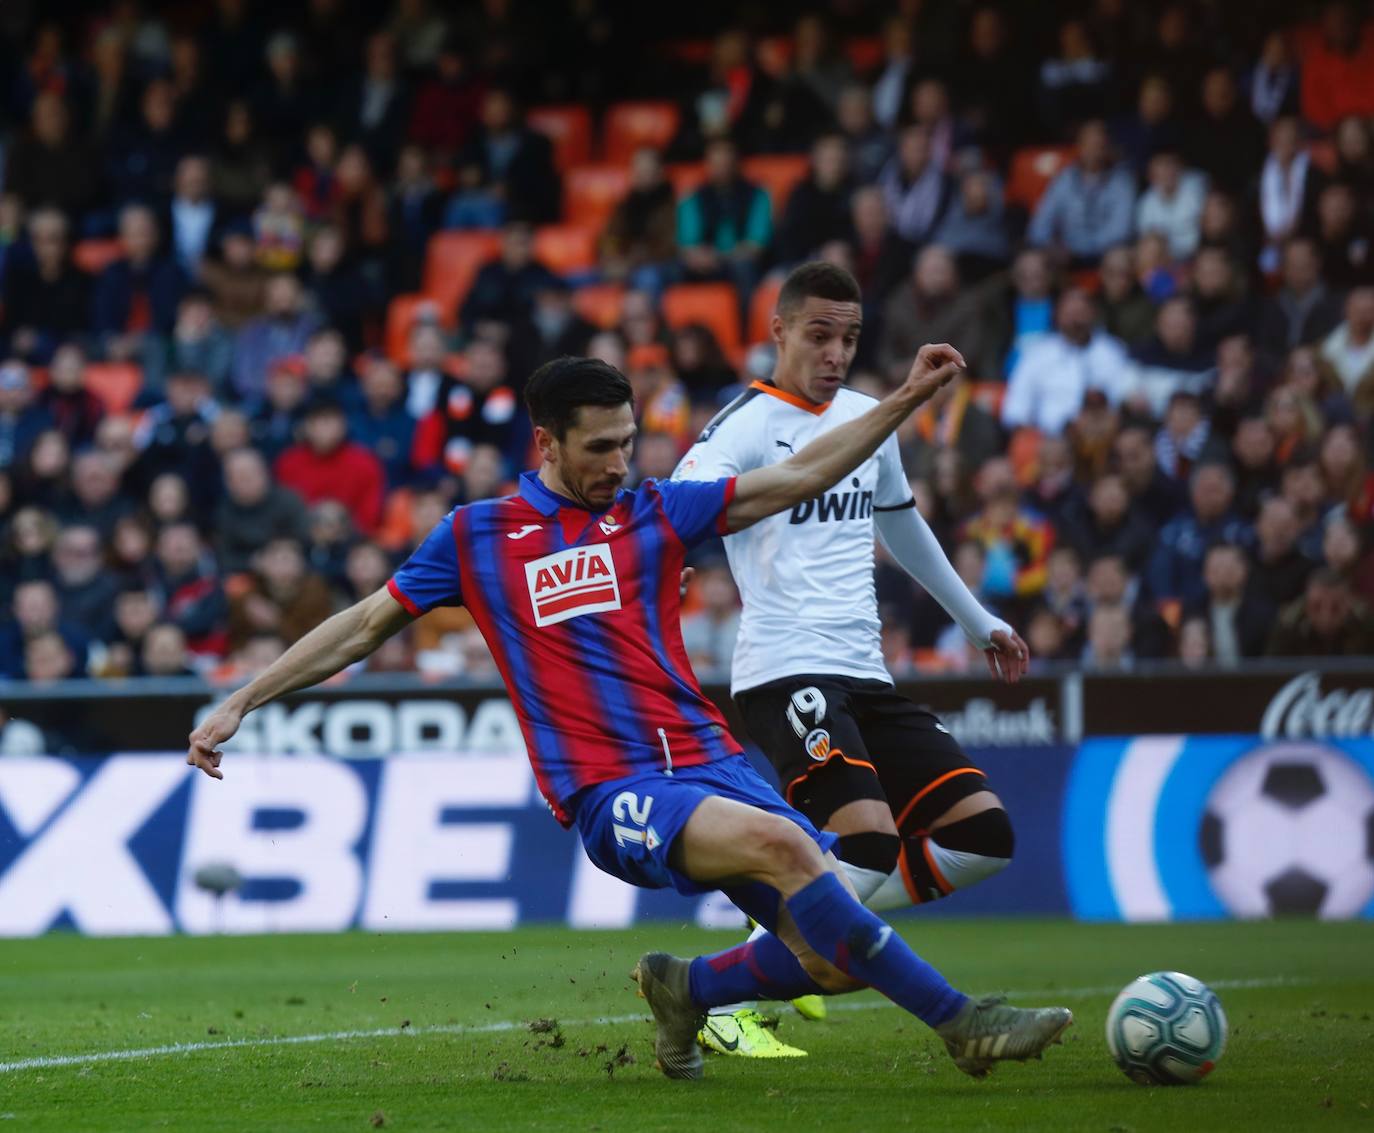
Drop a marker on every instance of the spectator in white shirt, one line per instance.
(1047, 385)
(1284, 188)
(1350, 347)
(1172, 205)
(193, 214)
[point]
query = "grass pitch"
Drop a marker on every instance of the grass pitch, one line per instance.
(432, 1033)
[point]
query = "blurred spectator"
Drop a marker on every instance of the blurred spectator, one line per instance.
(1018, 306)
(1350, 347)
(85, 592)
(50, 165)
(419, 32)
(479, 408)
(42, 481)
(136, 297)
(1055, 372)
(359, 211)
(142, 157)
(279, 227)
(198, 343)
(135, 613)
(45, 297)
(640, 239)
(192, 215)
(174, 436)
(377, 104)
(1273, 85)
(1238, 619)
(868, 143)
(284, 99)
(1109, 525)
(882, 259)
(816, 61)
(1152, 129)
(695, 359)
(1172, 204)
(340, 291)
(1221, 225)
(914, 186)
(1280, 570)
(1303, 310)
(197, 106)
(1302, 486)
(95, 499)
(709, 632)
(1127, 312)
(1175, 567)
(1088, 207)
(1355, 157)
(1173, 361)
(1066, 597)
(1338, 67)
(1327, 621)
(724, 228)
(1287, 189)
(330, 535)
(282, 330)
(894, 72)
(326, 465)
(949, 420)
(234, 279)
(1226, 142)
(1053, 493)
(974, 227)
(1344, 551)
(427, 368)
(991, 83)
(1220, 302)
(1017, 541)
(282, 596)
(1343, 235)
(275, 420)
(47, 658)
(36, 613)
(366, 571)
(448, 104)
(21, 421)
(504, 289)
(1194, 644)
(253, 510)
(1342, 462)
(930, 308)
(164, 652)
(1109, 640)
(818, 209)
(188, 588)
(413, 215)
(381, 423)
(74, 410)
(505, 171)
(241, 164)
(1257, 471)
(1073, 83)
(928, 106)
(1110, 584)
(554, 328)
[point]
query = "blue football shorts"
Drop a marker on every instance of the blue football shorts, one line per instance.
(629, 825)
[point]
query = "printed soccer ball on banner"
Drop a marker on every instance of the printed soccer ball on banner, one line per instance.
(1166, 1029)
(1289, 831)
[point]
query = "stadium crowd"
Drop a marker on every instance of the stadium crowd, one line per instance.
(271, 277)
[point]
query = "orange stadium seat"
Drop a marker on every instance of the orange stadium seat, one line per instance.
(95, 255)
(569, 128)
(591, 192)
(778, 175)
(565, 248)
(600, 303)
(761, 305)
(630, 125)
(715, 305)
(686, 177)
(1032, 169)
(116, 384)
(401, 314)
(452, 261)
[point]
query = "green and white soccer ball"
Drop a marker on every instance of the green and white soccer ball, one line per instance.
(1166, 1029)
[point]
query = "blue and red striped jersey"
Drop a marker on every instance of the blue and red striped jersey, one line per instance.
(580, 611)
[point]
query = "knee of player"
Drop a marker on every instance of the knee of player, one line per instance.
(785, 851)
(828, 978)
(988, 833)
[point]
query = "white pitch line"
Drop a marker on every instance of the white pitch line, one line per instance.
(53, 1061)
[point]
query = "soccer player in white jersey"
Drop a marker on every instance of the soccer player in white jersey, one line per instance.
(915, 817)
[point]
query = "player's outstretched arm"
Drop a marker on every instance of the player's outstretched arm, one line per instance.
(334, 644)
(762, 492)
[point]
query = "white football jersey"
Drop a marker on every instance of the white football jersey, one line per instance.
(806, 575)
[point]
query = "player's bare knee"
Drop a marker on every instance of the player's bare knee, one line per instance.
(788, 857)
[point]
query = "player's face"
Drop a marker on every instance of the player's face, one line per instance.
(816, 346)
(592, 459)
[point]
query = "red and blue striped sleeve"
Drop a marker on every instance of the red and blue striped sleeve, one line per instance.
(429, 577)
(696, 509)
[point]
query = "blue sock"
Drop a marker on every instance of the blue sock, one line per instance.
(759, 969)
(862, 946)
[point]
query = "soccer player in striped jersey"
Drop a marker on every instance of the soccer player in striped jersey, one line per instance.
(914, 817)
(573, 582)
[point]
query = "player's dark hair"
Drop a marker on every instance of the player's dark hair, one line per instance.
(558, 389)
(817, 280)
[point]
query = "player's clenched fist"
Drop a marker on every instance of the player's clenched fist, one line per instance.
(936, 363)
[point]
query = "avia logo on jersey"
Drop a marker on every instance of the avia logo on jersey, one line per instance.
(568, 584)
(834, 507)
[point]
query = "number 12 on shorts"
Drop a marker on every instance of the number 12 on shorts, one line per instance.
(627, 807)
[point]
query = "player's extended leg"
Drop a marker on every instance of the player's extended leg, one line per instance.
(838, 945)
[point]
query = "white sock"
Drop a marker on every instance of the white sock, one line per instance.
(958, 867)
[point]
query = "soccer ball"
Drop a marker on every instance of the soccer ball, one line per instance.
(1166, 1029)
(1289, 831)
